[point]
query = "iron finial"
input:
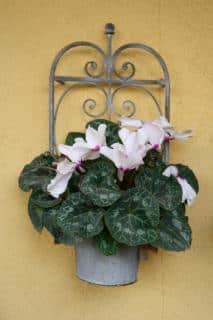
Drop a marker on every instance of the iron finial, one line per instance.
(109, 28)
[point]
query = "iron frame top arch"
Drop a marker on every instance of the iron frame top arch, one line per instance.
(108, 77)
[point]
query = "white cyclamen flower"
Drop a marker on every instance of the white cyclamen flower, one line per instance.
(149, 133)
(59, 183)
(83, 150)
(162, 122)
(183, 135)
(126, 156)
(130, 122)
(170, 132)
(156, 132)
(152, 135)
(117, 154)
(133, 144)
(80, 151)
(188, 193)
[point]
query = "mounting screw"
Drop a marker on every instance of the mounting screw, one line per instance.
(109, 28)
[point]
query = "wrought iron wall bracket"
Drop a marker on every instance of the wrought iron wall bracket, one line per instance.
(109, 80)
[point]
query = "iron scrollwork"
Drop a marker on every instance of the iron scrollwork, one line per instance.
(89, 105)
(109, 79)
(93, 65)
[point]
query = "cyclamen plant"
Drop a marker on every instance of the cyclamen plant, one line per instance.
(111, 184)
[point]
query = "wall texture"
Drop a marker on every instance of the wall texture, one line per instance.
(37, 278)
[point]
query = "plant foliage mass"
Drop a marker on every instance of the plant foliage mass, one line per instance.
(144, 207)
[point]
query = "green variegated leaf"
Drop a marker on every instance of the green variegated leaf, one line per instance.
(145, 177)
(50, 223)
(36, 215)
(150, 205)
(38, 173)
(189, 175)
(106, 244)
(174, 231)
(43, 199)
(166, 191)
(153, 159)
(45, 159)
(70, 139)
(99, 184)
(103, 192)
(170, 194)
(111, 131)
(101, 164)
(74, 182)
(128, 222)
(78, 219)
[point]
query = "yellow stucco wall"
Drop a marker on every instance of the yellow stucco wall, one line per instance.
(37, 278)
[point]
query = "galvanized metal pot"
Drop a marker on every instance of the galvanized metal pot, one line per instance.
(92, 266)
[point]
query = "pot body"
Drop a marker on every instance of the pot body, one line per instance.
(94, 267)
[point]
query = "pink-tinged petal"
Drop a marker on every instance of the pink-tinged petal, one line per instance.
(162, 122)
(130, 122)
(120, 175)
(80, 143)
(133, 142)
(107, 152)
(118, 146)
(96, 137)
(92, 155)
(65, 150)
(142, 136)
(76, 152)
(183, 135)
(135, 161)
(80, 140)
(91, 137)
(188, 193)
(102, 134)
(115, 155)
(123, 134)
(143, 151)
(168, 137)
(155, 147)
(58, 185)
(170, 171)
(80, 153)
(65, 166)
(154, 134)
(121, 158)
(96, 148)
(130, 140)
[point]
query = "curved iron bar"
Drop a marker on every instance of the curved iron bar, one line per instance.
(129, 106)
(90, 104)
(52, 79)
(131, 103)
(128, 63)
(94, 66)
(70, 46)
(85, 103)
(78, 85)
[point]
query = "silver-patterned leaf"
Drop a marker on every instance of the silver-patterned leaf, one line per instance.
(99, 185)
(128, 222)
(78, 219)
(166, 191)
(174, 231)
